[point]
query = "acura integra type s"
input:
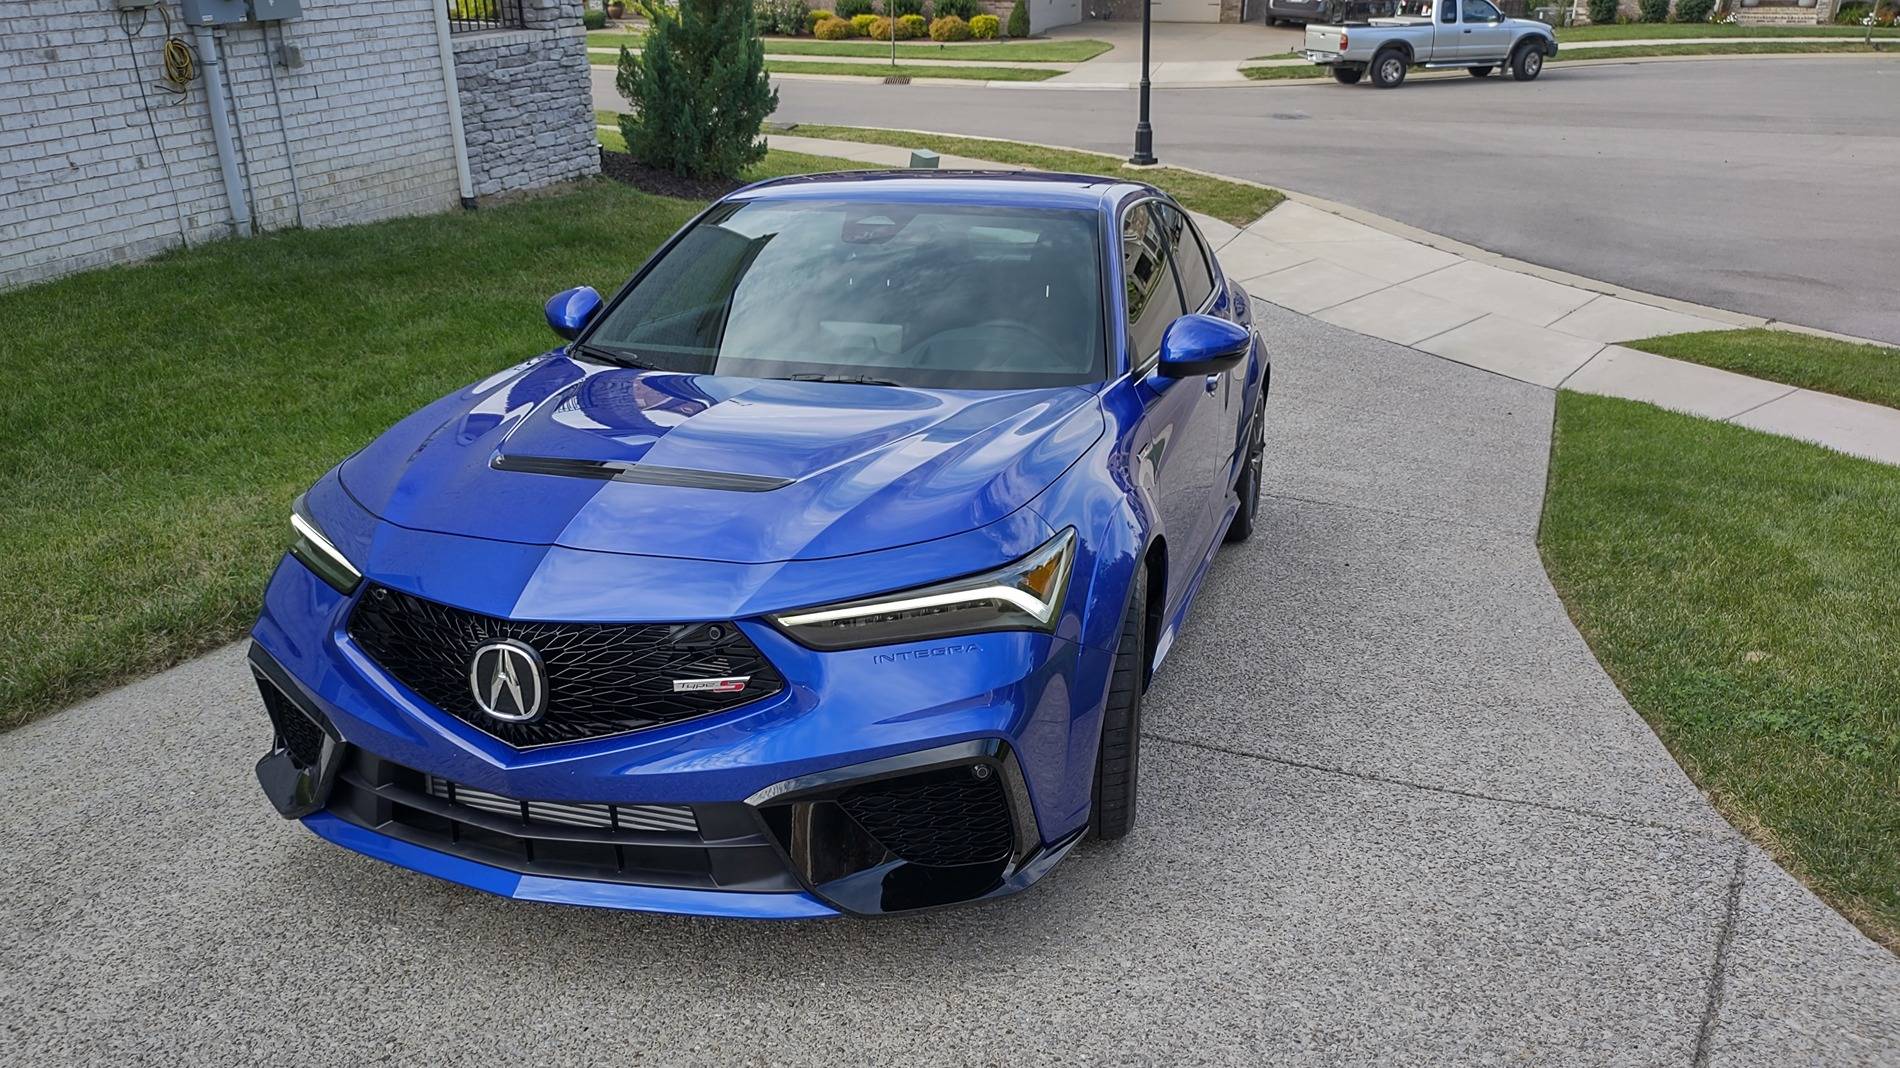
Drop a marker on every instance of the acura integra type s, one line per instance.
(821, 571)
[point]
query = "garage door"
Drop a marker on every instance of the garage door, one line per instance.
(1186, 10)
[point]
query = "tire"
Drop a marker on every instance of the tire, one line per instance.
(1387, 69)
(1347, 75)
(1118, 760)
(1479, 72)
(1527, 63)
(1248, 486)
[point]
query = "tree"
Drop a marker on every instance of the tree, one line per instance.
(1019, 20)
(698, 89)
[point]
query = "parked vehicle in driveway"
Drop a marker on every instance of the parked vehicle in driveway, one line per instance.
(1472, 34)
(820, 570)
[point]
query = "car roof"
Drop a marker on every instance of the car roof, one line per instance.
(1023, 188)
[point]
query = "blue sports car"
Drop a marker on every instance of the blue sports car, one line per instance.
(820, 571)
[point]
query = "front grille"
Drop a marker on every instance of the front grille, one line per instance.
(940, 819)
(709, 846)
(296, 733)
(603, 678)
(564, 814)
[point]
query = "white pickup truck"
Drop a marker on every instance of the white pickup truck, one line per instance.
(1472, 34)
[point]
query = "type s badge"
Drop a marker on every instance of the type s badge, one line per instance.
(729, 684)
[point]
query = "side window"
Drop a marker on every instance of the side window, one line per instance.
(1480, 11)
(1190, 258)
(1153, 299)
(1448, 11)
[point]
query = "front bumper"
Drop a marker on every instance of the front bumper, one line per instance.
(779, 792)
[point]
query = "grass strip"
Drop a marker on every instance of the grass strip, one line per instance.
(1740, 588)
(885, 70)
(1655, 31)
(1029, 51)
(1864, 372)
(1234, 202)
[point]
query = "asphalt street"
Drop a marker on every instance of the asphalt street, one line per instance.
(1764, 186)
(1393, 811)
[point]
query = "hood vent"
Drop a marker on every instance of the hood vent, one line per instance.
(643, 474)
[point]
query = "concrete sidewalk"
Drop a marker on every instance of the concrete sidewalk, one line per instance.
(1401, 284)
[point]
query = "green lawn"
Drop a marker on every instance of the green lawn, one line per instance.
(1863, 372)
(151, 453)
(1303, 70)
(1730, 48)
(1655, 31)
(1025, 51)
(1741, 589)
(1235, 202)
(885, 70)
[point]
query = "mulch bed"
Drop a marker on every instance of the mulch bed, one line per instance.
(624, 168)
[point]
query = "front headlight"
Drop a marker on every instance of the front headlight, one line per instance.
(1024, 595)
(308, 544)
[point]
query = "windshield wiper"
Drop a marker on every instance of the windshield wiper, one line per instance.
(618, 359)
(856, 380)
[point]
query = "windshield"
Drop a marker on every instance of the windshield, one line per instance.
(933, 295)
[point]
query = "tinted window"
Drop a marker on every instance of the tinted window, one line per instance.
(1153, 299)
(1190, 258)
(949, 296)
(1448, 11)
(1480, 11)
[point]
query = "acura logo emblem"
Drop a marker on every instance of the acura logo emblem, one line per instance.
(508, 681)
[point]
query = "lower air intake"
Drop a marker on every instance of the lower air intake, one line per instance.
(939, 819)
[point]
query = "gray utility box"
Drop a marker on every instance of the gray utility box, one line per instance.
(215, 12)
(275, 10)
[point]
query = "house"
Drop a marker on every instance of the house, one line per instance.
(128, 127)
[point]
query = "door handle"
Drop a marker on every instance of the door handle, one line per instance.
(1467, 31)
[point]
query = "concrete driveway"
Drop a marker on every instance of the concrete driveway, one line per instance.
(1392, 812)
(1759, 185)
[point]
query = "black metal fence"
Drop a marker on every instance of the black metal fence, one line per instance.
(474, 16)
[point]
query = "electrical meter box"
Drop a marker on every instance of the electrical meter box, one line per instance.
(214, 12)
(275, 10)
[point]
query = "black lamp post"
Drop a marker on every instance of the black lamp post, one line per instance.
(1144, 134)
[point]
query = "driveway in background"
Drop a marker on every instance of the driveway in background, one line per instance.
(1763, 186)
(1392, 811)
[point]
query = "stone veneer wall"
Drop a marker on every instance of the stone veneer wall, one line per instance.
(527, 104)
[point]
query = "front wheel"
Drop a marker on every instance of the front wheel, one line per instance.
(1248, 485)
(1118, 760)
(1388, 69)
(1480, 72)
(1528, 63)
(1347, 75)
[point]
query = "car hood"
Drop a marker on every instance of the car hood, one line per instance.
(746, 470)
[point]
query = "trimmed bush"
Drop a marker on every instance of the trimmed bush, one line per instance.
(949, 28)
(780, 16)
(1694, 10)
(911, 27)
(832, 29)
(985, 27)
(880, 28)
(813, 18)
(963, 9)
(1603, 12)
(897, 9)
(850, 9)
(1019, 19)
(698, 90)
(861, 24)
(594, 20)
(1652, 10)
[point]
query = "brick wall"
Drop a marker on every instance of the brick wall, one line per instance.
(527, 106)
(84, 183)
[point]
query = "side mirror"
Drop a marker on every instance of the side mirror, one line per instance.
(570, 309)
(1202, 345)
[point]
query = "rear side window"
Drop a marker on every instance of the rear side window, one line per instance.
(1190, 258)
(1153, 299)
